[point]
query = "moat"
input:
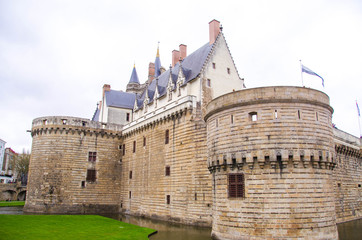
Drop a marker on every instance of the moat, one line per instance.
(347, 231)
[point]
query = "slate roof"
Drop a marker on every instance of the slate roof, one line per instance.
(134, 76)
(96, 115)
(120, 99)
(191, 67)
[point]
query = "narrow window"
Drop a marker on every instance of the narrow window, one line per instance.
(130, 194)
(253, 116)
(144, 141)
(130, 174)
(167, 171)
(134, 146)
(83, 184)
(359, 185)
(236, 185)
(168, 199)
(298, 114)
(45, 122)
(276, 114)
(124, 149)
(91, 175)
(92, 156)
(217, 122)
(232, 119)
(208, 82)
(167, 136)
(228, 70)
(84, 123)
(195, 196)
(127, 117)
(214, 65)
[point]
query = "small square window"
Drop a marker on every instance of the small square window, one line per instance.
(253, 116)
(92, 156)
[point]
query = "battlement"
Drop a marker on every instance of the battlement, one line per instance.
(66, 123)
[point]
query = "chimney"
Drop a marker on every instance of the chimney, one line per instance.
(175, 57)
(106, 87)
(214, 30)
(183, 51)
(151, 71)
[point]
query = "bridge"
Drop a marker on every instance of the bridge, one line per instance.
(12, 191)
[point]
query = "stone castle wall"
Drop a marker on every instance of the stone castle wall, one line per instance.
(59, 164)
(347, 177)
(281, 140)
(183, 196)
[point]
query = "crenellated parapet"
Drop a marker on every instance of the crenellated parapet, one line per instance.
(73, 125)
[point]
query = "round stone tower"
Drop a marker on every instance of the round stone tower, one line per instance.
(74, 166)
(271, 156)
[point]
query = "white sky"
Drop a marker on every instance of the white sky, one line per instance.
(55, 56)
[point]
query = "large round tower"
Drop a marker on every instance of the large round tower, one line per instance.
(271, 156)
(74, 166)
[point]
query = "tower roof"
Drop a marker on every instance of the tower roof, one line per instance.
(157, 63)
(134, 76)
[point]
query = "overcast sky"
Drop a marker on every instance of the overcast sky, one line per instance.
(55, 56)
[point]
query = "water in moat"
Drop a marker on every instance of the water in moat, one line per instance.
(347, 231)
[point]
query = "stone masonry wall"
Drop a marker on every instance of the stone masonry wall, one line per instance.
(281, 140)
(347, 177)
(59, 164)
(188, 185)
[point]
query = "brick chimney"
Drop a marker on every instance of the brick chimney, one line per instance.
(214, 30)
(106, 88)
(183, 51)
(151, 71)
(175, 57)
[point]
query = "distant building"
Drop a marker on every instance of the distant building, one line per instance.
(7, 169)
(2, 152)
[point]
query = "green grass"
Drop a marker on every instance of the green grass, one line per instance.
(68, 227)
(11, 204)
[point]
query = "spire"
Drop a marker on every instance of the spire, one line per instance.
(134, 76)
(158, 62)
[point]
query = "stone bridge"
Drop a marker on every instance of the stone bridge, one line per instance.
(12, 191)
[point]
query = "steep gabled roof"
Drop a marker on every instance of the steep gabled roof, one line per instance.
(120, 99)
(191, 67)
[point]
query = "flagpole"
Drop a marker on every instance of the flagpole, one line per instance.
(301, 72)
(358, 117)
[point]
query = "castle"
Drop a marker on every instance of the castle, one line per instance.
(193, 145)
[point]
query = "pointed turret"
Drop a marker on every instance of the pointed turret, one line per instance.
(134, 76)
(158, 63)
(134, 83)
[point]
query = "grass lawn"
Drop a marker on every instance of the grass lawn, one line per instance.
(68, 227)
(11, 204)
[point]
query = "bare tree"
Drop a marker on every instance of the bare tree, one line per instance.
(20, 165)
